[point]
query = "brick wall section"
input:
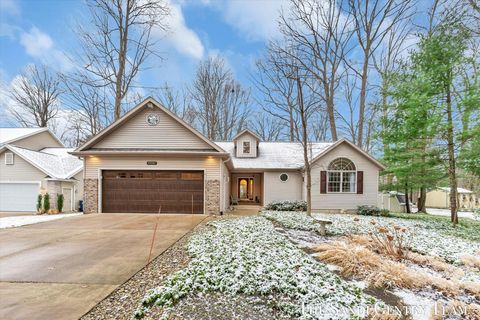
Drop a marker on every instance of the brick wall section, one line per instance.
(90, 195)
(212, 197)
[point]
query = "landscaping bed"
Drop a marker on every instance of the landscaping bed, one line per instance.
(437, 270)
(247, 258)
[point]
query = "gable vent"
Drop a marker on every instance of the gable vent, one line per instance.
(9, 158)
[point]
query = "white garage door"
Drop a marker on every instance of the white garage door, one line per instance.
(18, 196)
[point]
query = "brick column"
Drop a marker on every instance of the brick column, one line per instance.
(212, 197)
(90, 195)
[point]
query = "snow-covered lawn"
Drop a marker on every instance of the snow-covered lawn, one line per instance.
(248, 256)
(17, 221)
(427, 237)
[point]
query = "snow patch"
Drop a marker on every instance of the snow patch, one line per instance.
(11, 222)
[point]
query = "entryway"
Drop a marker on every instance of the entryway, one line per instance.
(247, 188)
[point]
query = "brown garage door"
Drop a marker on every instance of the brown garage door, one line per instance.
(148, 191)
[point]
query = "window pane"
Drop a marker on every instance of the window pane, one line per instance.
(246, 147)
(334, 182)
(348, 182)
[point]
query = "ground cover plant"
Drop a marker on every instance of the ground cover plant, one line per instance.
(418, 257)
(247, 256)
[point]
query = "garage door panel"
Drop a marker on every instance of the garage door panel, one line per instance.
(148, 191)
(20, 196)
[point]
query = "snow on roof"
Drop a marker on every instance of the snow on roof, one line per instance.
(12, 134)
(459, 190)
(56, 162)
(274, 155)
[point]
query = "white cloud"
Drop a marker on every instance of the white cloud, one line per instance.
(255, 20)
(36, 42)
(40, 45)
(179, 36)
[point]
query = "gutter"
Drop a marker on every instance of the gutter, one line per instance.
(134, 153)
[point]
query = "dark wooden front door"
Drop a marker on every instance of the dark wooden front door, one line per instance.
(149, 191)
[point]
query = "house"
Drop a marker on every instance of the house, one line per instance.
(152, 161)
(34, 161)
(440, 198)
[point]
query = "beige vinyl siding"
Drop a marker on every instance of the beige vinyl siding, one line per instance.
(437, 199)
(167, 134)
(225, 187)
(441, 199)
(21, 170)
(253, 145)
(346, 201)
(210, 164)
(278, 190)
(38, 142)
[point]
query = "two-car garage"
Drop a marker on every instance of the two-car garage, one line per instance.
(152, 191)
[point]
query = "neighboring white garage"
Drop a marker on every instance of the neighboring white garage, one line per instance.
(21, 196)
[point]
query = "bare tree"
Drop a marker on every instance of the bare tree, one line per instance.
(116, 49)
(373, 20)
(179, 102)
(267, 127)
(36, 93)
(91, 105)
(220, 102)
(319, 33)
(277, 94)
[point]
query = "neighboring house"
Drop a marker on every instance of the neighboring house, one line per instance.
(152, 161)
(440, 198)
(33, 161)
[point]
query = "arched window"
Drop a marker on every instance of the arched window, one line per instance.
(342, 176)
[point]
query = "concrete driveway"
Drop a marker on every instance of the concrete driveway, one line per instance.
(61, 269)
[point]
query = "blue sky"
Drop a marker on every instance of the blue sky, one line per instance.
(42, 31)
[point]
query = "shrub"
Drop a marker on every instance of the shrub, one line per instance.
(371, 211)
(39, 203)
(60, 202)
(46, 202)
(287, 205)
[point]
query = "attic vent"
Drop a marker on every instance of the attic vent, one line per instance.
(9, 158)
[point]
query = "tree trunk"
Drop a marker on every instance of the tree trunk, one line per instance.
(331, 117)
(305, 147)
(407, 201)
(363, 96)
(122, 53)
(451, 160)
(421, 200)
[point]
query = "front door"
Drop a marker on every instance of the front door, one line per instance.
(245, 188)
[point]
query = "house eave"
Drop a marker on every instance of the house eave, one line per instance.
(150, 152)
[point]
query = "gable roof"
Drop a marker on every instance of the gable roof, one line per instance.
(241, 133)
(275, 155)
(10, 135)
(56, 163)
(342, 141)
(130, 114)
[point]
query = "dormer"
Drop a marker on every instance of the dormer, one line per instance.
(246, 144)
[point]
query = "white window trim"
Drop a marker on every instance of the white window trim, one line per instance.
(279, 177)
(9, 154)
(341, 181)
